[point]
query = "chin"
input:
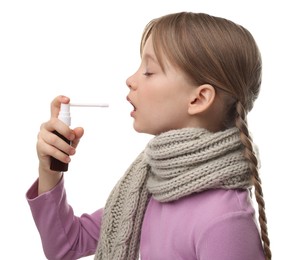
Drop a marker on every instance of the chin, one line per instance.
(143, 130)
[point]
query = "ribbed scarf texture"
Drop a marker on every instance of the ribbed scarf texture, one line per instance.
(174, 164)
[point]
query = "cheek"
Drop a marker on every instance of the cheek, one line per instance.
(161, 103)
(160, 108)
(159, 119)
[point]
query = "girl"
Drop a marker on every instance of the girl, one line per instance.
(187, 195)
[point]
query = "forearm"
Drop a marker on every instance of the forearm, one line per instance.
(63, 235)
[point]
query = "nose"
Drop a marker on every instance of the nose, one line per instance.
(130, 82)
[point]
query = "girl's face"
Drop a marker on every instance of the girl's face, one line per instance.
(160, 99)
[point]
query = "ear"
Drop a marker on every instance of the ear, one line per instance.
(201, 99)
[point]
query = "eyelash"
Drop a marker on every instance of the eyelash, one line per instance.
(148, 74)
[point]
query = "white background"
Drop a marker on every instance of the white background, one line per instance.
(86, 50)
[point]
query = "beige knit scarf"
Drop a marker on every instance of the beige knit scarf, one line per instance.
(173, 165)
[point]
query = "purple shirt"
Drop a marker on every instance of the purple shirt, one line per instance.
(216, 224)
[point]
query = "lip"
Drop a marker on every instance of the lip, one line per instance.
(134, 107)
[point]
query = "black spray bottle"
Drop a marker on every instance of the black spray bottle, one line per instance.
(64, 116)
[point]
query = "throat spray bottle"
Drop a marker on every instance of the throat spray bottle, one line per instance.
(64, 116)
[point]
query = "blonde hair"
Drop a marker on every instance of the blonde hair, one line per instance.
(216, 51)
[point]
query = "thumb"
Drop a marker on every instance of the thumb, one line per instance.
(78, 132)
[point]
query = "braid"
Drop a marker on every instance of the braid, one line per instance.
(241, 124)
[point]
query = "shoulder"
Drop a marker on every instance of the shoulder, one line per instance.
(212, 204)
(233, 235)
(227, 226)
(198, 211)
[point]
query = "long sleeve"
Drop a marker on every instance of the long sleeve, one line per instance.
(64, 235)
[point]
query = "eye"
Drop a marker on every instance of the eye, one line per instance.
(148, 74)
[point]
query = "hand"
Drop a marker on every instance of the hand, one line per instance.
(49, 144)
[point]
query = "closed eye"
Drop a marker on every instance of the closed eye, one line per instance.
(147, 74)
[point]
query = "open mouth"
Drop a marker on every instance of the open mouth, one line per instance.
(128, 99)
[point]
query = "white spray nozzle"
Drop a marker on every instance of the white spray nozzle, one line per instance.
(64, 113)
(89, 105)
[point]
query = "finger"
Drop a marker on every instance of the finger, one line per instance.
(56, 142)
(56, 125)
(46, 151)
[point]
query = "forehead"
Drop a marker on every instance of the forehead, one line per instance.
(154, 54)
(148, 48)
